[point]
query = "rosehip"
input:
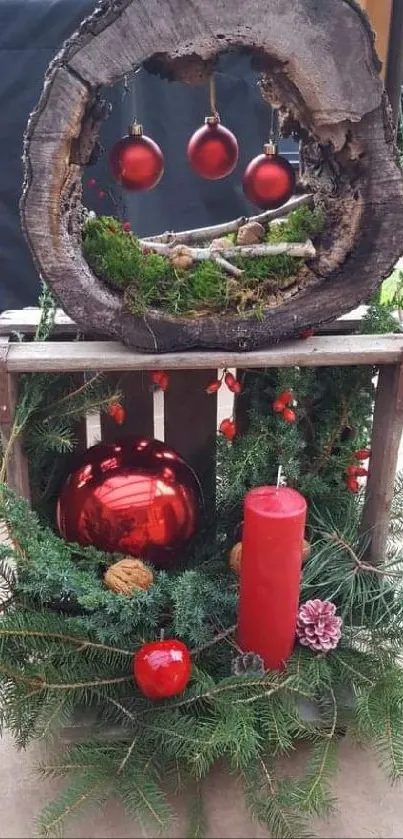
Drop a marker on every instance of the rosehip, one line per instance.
(286, 396)
(362, 454)
(228, 428)
(289, 415)
(361, 472)
(120, 415)
(101, 194)
(92, 182)
(160, 379)
(307, 333)
(278, 406)
(351, 471)
(126, 227)
(232, 383)
(214, 386)
(353, 485)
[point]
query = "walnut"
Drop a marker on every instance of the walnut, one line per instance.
(128, 575)
(181, 257)
(235, 558)
(250, 233)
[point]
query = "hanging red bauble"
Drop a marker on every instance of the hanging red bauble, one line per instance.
(162, 668)
(136, 161)
(213, 150)
(136, 497)
(269, 179)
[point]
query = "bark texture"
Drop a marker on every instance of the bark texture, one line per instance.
(317, 59)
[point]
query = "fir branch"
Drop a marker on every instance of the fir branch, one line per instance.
(81, 643)
(43, 684)
(365, 567)
(221, 636)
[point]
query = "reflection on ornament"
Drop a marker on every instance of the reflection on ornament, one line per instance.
(137, 497)
(213, 150)
(136, 161)
(269, 179)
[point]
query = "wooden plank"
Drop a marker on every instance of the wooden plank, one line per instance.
(138, 404)
(17, 463)
(27, 320)
(386, 436)
(191, 424)
(321, 351)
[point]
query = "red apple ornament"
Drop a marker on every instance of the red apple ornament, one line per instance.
(136, 161)
(269, 179)
(213, 150)
(162, 668)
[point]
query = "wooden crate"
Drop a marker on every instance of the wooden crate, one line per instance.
(189, 415)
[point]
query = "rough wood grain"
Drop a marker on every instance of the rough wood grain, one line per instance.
(386, 437)
(90, 356)
(332, 96)
(191, 424)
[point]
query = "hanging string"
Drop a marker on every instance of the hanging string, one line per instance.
(273, 131)
(213, 99)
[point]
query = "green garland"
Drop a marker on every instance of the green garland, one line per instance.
(67, 642)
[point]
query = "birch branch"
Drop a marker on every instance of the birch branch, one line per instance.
(203, 234)
(298, 249)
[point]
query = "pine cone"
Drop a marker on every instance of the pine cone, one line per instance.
(235, 557)
(247, 663)
(128, 575)
(318, 627)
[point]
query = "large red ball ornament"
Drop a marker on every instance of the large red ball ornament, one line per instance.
(213, 150)
(269, 179)
(162, 668)
(135, 497)
(136, 161)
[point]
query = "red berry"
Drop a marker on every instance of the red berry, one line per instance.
(228, 428)
(286, 396)
(361, 472)
(214, 386)
(362, 454)
(162, 668)
(352, 471)
(120, 415)
(126, 227)
(353, 485)
(278, 406)
(232, 383)
(307, 333)
(92, 182)
(289, 415)
(101, 194)
(113, 407)
(160, 379)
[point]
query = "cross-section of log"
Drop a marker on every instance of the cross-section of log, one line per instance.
(317, 61)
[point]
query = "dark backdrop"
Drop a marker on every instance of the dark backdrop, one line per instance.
(31, 31)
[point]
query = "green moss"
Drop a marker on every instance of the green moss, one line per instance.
(150, 281)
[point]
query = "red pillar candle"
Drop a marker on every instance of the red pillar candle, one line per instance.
(273, 533)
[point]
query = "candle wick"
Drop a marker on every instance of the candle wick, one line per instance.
(279, 471)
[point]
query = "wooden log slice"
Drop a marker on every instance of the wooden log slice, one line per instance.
(318, 60)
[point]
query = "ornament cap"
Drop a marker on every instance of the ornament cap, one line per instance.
(270, 149)
(214, 119)
(136, 130)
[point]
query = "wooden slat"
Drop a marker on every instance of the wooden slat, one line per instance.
(191, 424)
(17, 465)
(320, 351)
(386, 436)
(138, 404)
(27, 320)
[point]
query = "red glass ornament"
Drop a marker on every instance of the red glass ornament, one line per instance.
(136, 161)
(136, 497)
(162, 668)
(269, 179)
(213, 150)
